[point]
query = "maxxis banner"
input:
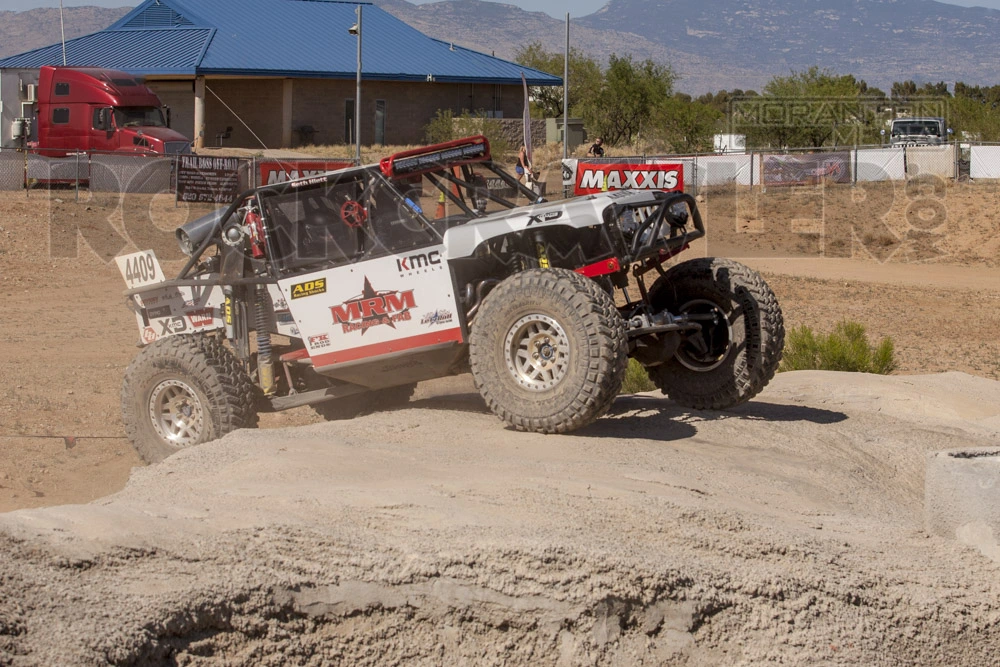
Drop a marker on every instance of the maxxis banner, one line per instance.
(588, 177)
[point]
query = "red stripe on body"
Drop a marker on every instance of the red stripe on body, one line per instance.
(378, 349)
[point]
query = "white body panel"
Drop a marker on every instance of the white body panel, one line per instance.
(581, 212)
(373, 308)
(176, 310)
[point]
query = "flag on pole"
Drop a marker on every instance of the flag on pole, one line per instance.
(527, 119)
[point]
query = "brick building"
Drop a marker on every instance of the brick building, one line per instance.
(284, 70)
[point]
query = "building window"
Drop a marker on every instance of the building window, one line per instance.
(349, 121)
(60, 116)
(380, 122)
(62, 89)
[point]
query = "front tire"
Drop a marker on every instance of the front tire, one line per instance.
(742, 338)
(548, 351)
(181, 391)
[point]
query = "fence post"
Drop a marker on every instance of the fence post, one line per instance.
(854, 172)
(77, 178)
(694, 170)
(751, 171)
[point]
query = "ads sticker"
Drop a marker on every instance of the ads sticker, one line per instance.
(439, 316)
(309, 288)
(148, 335)
(372, 308)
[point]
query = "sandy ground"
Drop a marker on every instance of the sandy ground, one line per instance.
(786, 531)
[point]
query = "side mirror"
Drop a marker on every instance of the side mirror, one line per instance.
(166, 114)
(951, 131)
(104, 119)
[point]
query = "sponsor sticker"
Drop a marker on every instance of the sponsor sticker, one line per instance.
(439, 316)
(320, 341)
(592, 178)
(280, 171)
(148, 335)
(308, 288)
(419, 263)
(158, 312)
(200, 318)
(373, 308)
(542, 218)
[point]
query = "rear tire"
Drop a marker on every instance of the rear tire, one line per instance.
(181, 391)
(742, 347)
(548, 351)
(364, 403)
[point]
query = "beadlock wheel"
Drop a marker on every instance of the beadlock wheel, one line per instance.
(176, 413)
(181, 391)
(548, 350)
(537, 352)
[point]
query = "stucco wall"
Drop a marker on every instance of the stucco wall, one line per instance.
(321, 104)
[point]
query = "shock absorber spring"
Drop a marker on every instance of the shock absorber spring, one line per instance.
(265, 367)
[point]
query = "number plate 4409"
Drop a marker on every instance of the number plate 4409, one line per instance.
(140, 269)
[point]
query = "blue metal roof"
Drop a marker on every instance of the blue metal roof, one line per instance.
(134, 51)
(295, 38)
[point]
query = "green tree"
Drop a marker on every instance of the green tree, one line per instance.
(679, 125)
(585, 78)
(627, 99)
(445, 126)
(817, 108)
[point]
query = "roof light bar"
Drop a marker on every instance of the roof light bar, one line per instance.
(429, 158)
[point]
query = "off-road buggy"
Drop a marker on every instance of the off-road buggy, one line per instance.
(342, 291)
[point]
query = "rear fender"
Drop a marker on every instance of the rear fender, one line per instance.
(169, 311)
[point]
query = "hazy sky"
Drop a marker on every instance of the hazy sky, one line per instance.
(557, 8)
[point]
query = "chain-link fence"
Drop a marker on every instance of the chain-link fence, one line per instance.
(118, 173)
(811, 166)
(123, 173)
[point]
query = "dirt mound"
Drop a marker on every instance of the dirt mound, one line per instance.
(788, 530)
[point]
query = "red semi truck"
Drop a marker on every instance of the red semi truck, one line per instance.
(65, 110)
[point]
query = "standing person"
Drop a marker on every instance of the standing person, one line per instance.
(596, 149)
(523, 165)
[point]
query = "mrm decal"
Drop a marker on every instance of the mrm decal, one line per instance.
(373, 308)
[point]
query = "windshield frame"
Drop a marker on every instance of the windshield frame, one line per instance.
(124, 116)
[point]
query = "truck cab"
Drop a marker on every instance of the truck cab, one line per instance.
(922, 131)
(93, 109)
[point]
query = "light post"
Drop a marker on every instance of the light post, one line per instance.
(356, 31)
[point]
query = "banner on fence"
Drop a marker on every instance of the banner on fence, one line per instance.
(723, 169)
(811, 169)
(931, 160)
(207, 179)
(279, 171)
(879, 164)
(984, 162)
(591, 177)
